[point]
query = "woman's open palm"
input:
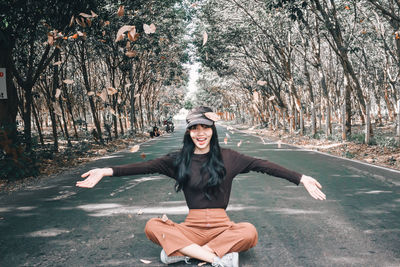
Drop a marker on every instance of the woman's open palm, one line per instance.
(313, 187)
(93, 177)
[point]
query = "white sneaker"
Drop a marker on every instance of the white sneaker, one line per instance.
(228, 260)
(172, 259)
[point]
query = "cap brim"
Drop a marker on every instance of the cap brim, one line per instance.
(200, 121)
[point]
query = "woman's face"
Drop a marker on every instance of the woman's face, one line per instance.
(201, 135)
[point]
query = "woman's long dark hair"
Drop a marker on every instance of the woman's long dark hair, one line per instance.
(214, 166)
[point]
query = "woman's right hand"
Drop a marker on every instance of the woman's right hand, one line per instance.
(93, 177)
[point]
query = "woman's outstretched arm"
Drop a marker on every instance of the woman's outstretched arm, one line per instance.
(162, 165)
(93, 177)
(313, 187)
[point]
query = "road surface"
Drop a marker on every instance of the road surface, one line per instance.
(54, 223)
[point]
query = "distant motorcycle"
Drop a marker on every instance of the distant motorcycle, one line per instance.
(169, 126)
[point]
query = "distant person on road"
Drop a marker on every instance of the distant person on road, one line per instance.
(155, 132)
(204, 172)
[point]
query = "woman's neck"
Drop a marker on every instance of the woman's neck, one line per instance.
(201, 151)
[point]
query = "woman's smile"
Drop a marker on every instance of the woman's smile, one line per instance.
(201, 136)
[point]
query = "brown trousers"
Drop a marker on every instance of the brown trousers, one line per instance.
(211, 227)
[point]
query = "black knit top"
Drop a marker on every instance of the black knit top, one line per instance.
(235, 163)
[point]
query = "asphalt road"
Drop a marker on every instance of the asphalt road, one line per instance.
(54, 223)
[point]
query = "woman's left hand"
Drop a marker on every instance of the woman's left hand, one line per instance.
(313, 187)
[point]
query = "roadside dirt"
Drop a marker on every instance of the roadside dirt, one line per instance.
(67, 158)
(377, 154)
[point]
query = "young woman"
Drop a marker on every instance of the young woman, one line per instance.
(204, 172)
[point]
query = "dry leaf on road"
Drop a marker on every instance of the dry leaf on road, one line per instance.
(135, 148)
(164, 218)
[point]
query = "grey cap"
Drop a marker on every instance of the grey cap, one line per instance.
(196, 116)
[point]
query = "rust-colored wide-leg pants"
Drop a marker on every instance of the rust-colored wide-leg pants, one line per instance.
(211, 227)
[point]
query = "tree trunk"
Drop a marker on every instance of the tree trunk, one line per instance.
(9, 106)
(39, 128)
(91, 101)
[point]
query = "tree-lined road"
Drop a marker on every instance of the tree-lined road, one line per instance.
(54, 223)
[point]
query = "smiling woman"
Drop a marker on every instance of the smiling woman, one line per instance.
(204, 172)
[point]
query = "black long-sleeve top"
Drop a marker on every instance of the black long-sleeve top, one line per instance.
(235, 163)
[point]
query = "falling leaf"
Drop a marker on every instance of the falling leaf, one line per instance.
(271, 98)
(240, 143)
(148, 29)
(145, 261)
(81, 22)
(94, 15)
(80, 33)
(212, 116)
(143, 156)
(132, 33)
(103, 95)
(140, 212)
(50, 39)
(111, 91)
(164, 218)
(256, 96)
(85, 15)
(75, 36)
(131, 53)
(106, 23)
(261, 82)
(121, 31)
(205, 38)
(71, 22)
(120, 37)
(90, 93)
(58, 93)
(57, 63)
(121, 11)
(136, 37)
(135, 148)
(68, 81)
(347, 7)
(226, 140)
